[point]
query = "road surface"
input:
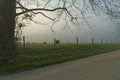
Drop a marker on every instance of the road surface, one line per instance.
(99, 67)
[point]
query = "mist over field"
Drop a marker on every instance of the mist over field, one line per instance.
(100, 27)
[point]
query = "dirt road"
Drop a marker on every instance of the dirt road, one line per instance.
(100, 67)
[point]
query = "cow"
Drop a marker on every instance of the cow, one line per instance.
(56, 41)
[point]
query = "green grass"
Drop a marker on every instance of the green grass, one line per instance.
(39, 55)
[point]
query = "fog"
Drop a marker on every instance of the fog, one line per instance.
(102, 28)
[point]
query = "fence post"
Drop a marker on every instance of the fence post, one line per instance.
(24, 42)
(111, 42)
(77, 41)
(92, 41)
(54, 42)
(101, 41)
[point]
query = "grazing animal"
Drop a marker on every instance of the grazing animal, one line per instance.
(56, 41)
(44, 42)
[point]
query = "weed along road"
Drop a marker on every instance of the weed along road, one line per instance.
(99, 67)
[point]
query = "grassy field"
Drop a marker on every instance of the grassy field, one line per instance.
(39, 55)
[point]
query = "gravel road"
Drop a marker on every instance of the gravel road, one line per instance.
(99, 67)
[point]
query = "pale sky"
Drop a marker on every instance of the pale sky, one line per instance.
(41, 32)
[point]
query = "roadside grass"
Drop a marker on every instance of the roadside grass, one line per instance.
(39, 55)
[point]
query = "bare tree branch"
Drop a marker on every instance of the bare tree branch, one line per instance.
(72, 9)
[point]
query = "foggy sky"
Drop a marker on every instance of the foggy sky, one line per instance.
(102, 27)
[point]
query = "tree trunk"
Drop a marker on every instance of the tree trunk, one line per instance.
(7, 29)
